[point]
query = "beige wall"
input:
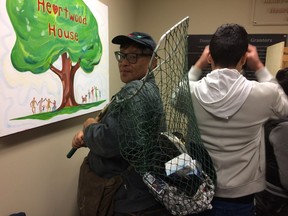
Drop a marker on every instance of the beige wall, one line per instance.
(157, 16)
(36, 177)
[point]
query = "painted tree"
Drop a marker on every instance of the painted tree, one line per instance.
(48, 30)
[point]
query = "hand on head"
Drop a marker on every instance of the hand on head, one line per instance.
(253, 60)
(203, 61)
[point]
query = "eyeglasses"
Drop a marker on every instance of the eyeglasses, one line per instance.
(131, 57)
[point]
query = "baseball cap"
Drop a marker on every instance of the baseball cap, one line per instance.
(138, 37)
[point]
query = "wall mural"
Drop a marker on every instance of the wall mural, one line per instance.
(53, 61)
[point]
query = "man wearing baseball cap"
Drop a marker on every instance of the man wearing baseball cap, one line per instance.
(110, 154)
(134, 56)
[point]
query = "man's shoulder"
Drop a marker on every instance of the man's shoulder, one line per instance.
(137, 84)
(265, 87)
(273, 123)
(131, 86)
(139, 87)
(280, 122)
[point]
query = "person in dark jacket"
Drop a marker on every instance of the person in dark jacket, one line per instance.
(273, 201)
(109, 150)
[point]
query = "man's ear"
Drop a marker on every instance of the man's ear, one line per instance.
(154, 63)
(209, 59)
(243, 59)
(241, 62)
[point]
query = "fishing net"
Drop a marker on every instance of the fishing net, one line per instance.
(158, 131)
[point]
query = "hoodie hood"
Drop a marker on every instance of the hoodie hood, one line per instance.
(222, 92)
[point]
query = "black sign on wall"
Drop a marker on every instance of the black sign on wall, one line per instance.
(197, 43)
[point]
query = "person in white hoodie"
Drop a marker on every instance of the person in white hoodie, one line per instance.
(231, 112)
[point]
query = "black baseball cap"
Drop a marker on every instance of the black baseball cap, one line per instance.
(138, 37)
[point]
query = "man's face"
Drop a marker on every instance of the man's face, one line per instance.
(129, 71)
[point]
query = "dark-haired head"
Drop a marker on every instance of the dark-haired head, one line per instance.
(282, 78)
(228, 44)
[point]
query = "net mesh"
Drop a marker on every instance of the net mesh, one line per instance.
(158, 131)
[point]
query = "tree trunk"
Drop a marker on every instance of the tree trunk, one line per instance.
(67, 75)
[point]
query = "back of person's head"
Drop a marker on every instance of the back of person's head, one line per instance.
(228, 44)
(282, 78)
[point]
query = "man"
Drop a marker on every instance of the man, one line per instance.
(273, 201)
(231, 112)
(111, 145)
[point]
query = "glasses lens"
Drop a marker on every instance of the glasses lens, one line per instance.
(131, 58)
(118, 56)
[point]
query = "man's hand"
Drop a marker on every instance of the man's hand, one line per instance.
(88, 122)
(253, 60)
(203, 62)
(78, 141)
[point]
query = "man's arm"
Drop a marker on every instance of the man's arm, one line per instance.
(278, 139)
(101, 137)
(254, 63)
(196, 70)
(78, 138)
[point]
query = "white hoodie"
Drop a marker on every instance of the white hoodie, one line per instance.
(231, 112)
(222, 92)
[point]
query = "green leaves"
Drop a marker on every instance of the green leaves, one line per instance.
(46, 29)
